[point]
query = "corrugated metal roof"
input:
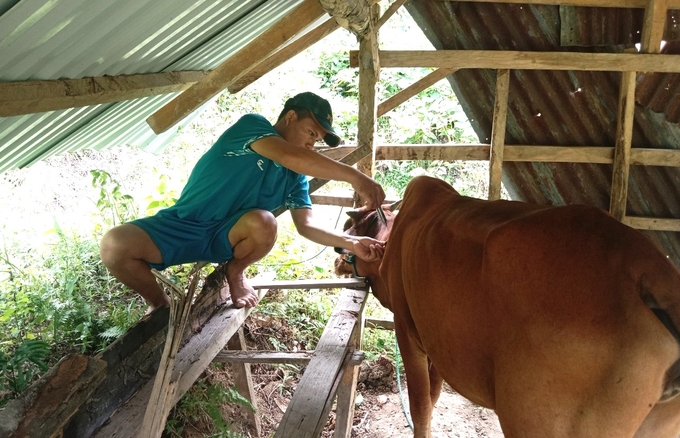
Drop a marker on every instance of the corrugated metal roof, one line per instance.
(52, 39)
(559, 108)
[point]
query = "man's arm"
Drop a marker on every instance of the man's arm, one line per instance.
(312, 163)
(365, 248)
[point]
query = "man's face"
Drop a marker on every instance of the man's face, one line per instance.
(302, 132)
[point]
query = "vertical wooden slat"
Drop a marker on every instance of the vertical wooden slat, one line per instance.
(624, 134)
(654, 24)
(369, 73)
(500, 112)
(244, 382)
(347, 391)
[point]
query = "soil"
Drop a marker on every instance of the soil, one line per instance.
(379, 412)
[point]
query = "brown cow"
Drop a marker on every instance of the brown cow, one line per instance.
(551, 316)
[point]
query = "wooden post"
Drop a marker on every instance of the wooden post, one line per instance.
(369, 73)
(500, 112)
(244, 382)
(624, 134)
(347, 391)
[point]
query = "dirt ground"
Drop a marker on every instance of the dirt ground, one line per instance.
(379, 412)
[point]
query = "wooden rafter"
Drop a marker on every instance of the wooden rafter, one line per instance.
(526, 60)
(283, 55)
(413, 89)
(653, 26)
(672, 4)
(245, 59)
(17, 98)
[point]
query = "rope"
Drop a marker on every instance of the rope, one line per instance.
(401, 394)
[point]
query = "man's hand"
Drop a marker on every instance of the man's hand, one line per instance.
(368, 249)
(370, 191)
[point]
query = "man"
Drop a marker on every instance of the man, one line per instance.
(224, 211)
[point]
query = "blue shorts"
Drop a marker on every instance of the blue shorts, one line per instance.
(185, 241)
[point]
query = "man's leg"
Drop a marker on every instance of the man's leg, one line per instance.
(252, 237)
(125, 251)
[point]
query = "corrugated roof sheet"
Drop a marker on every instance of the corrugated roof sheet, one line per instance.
(52, 39)
(559, 108)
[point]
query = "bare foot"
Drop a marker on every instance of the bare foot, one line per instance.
(241, 292)
(151, 308)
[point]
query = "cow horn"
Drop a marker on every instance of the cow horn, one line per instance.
(393, 206)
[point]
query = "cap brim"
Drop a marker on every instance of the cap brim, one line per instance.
(331, 138)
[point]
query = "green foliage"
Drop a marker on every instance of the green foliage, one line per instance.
(18, 369)
(114, 206)
(203, 403)
(163, 197)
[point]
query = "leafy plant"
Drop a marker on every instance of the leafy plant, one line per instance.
(203, 402)
(114, 206)
(28, 360)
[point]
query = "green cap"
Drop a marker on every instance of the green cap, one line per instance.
(321, 111)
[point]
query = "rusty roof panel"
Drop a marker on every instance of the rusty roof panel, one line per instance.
(558, 108)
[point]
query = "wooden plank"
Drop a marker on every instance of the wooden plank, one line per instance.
(17, 98)
(304, 417)
(515, 60)
(413, 89)
(253, 53)
(624, 135)
(673, 4)
(331, 283)
(277, 357)
(385, 324)
(243, 381)
(291, 357)
(340, 201)
(191, 361)
(500, 113)
(652, 224)
(653, 26)
(283, 55)
(46, 406)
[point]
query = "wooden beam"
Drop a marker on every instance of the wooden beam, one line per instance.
(243, 381)
(347, 390)
(353, 15)
(17, 98)
(333, 283)
(283, 55)
(385, 324)
(540, 154)
(500, 114)
(252, 54)
(47, 404)
(515, 60)
(413, 89)
(307, 410)
(624, 136)
(653, 26)
(369, 75)
(276, 357)
(672, 4)
(652, 224)
(390, 11)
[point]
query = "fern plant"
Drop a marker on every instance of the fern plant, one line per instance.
(17, 371)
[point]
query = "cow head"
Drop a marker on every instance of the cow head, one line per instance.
(365, 222)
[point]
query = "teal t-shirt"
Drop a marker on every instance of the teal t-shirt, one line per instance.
(231, 178)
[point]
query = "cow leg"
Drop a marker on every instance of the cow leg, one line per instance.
(436, 381)
(663, 421)
(418, 372)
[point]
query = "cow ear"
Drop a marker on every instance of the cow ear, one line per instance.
(355, 214)
(393, 206)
